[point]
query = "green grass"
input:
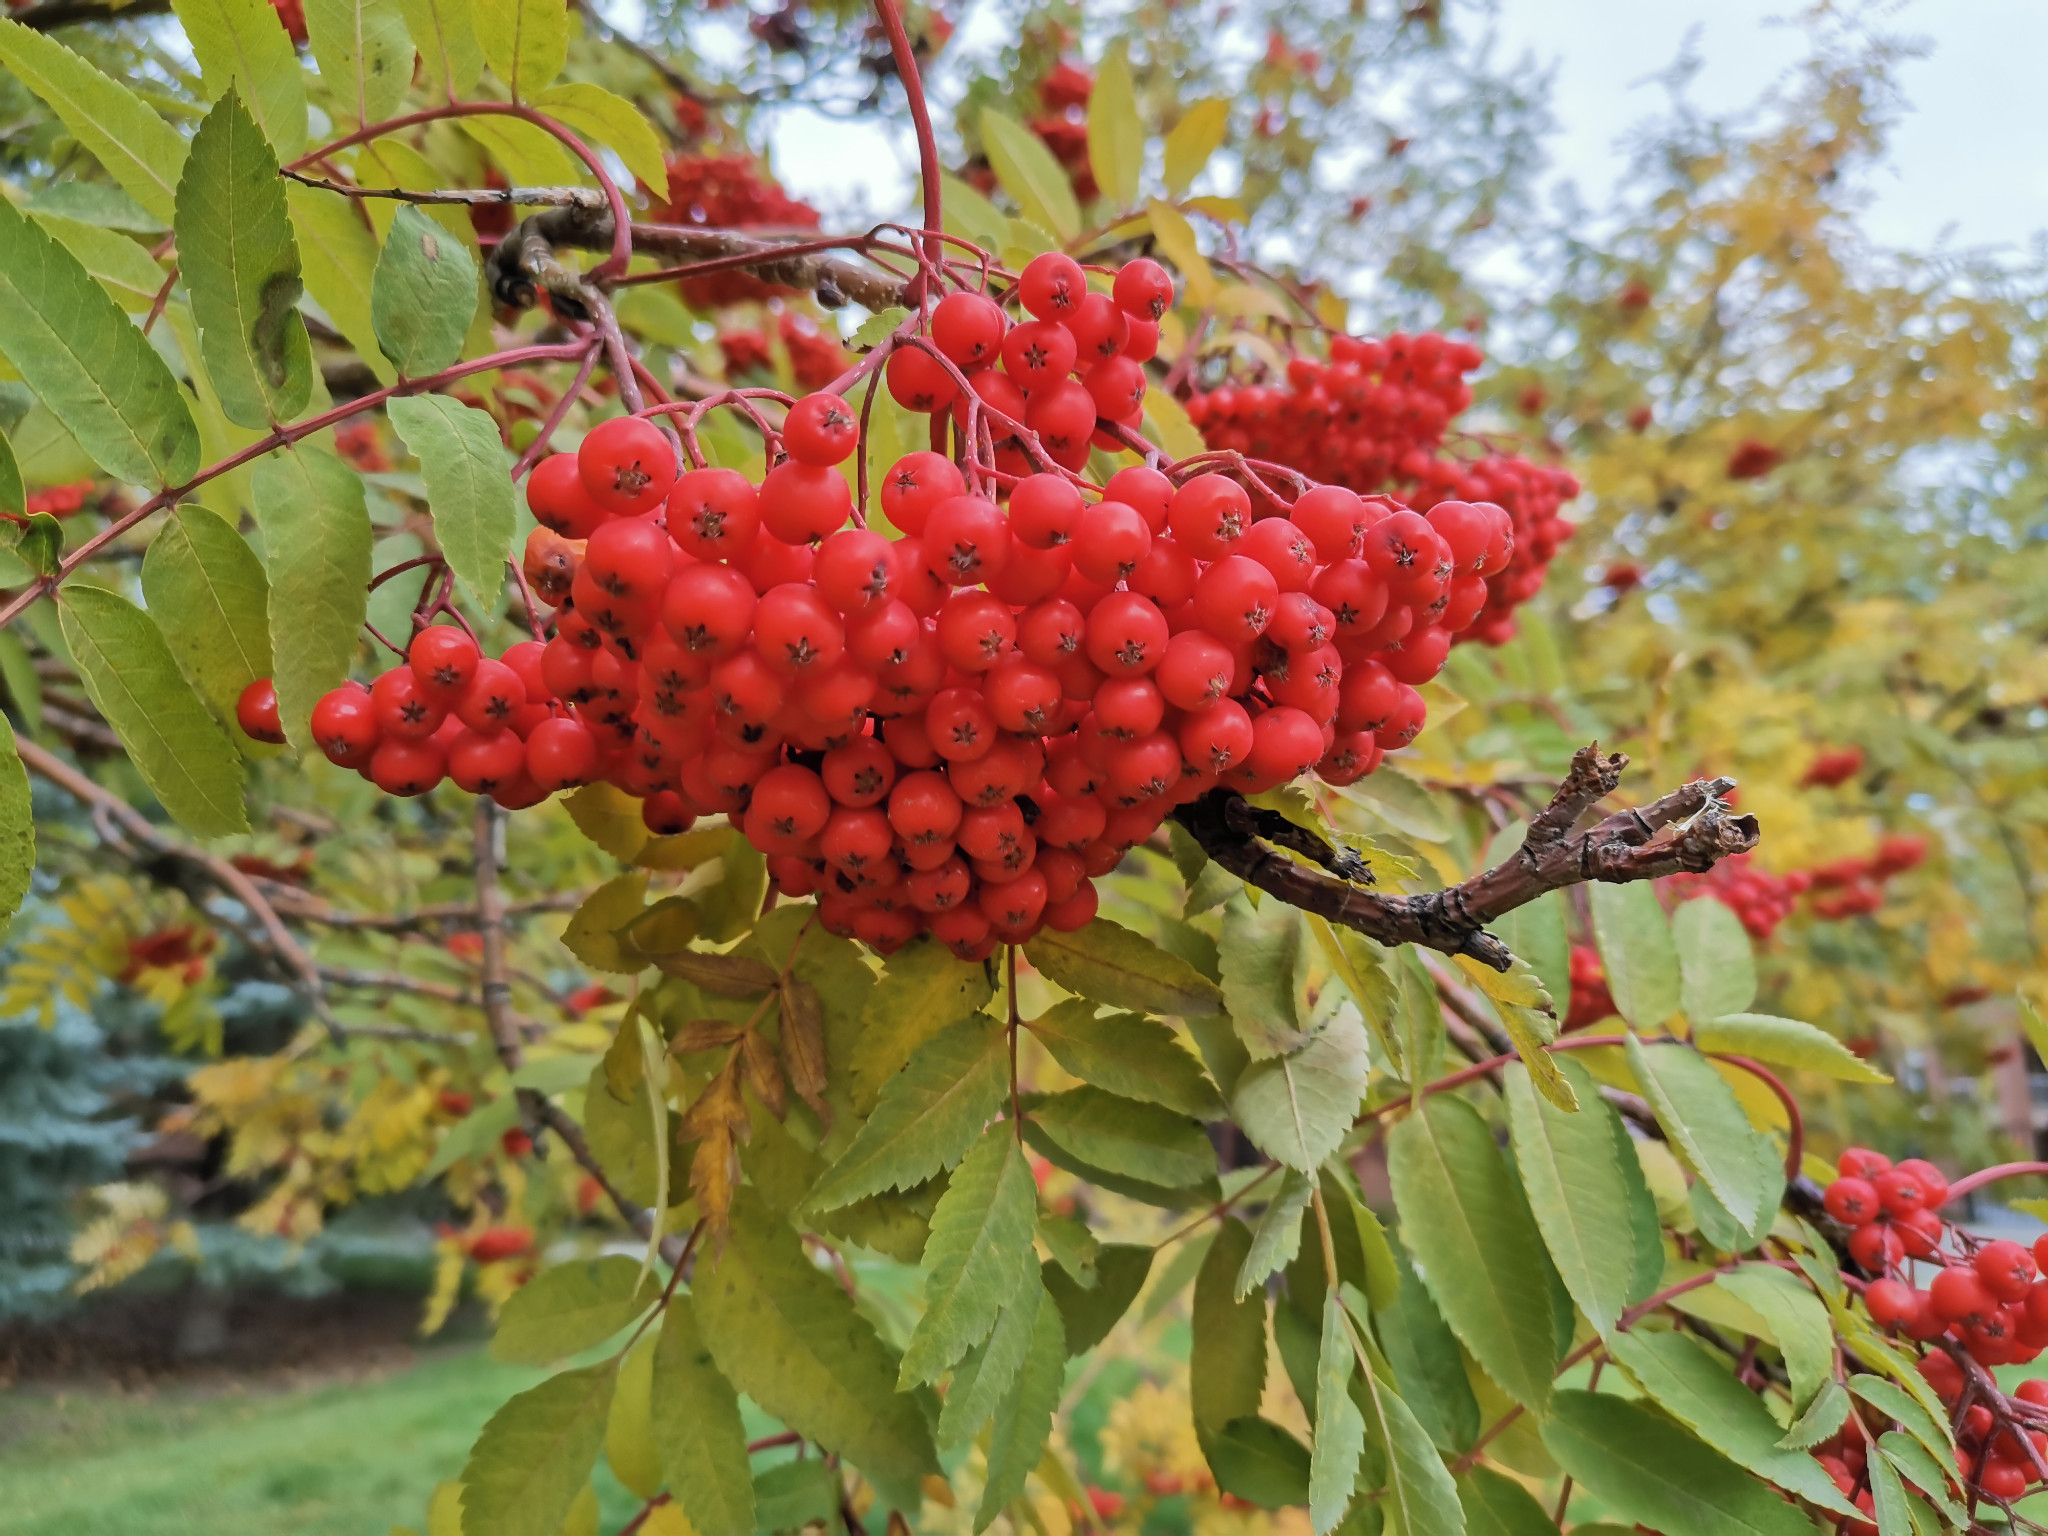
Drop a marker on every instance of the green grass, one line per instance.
(331, 1458)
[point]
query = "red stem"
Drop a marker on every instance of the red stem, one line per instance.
(279, 438)
(921, 119)
(622, 228)
(1992, 1175)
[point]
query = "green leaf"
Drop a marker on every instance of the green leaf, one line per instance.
(1360, 965)
(475, 1134)
(978, 1257)
(207, 591)
(469, 488)
(1785, 1043)
(565, 1310)
(922, 989)
(928, 1116)
(1298, 1108)
(593, 112)
(1127, 1054)
(1116, 139)
(1340, 1427)
(1122, 1136)
(786, 1335)
(535, 1455)
(135, 683)
(338, 254)
(1255, 1459)
(1900, 1405)
(444, 31)
(1699, 1112)
(1646, 1469)
(88, 362)
(116, 262)
(1402, 804)
(1088, 1315)
(984, 1377)
(526, 43)
(1027, 171)
(1888, 1499)
(1701, 1392)
(1277, 1237)
(17, 827)
(423, 296)
(591, 934)
(1585, 1186)
(1421, 1497)
(1826, 1414)
(1023, 1421)
(1418, 1018)
(1264, 952)
(1465, 1220)
(1798, 1321)
(138, 148)
(1536, 933)
(1496, 1505)
(629, 1428)
(697, 1429)
(365, 57)
(1428, 1367)
(1921, 1469)
(1227, 1357)
(1716, 966)
(877, 328)
(1637, 952)
(1111, 964)
(242, 46)
(792, 1495)
(1193, 140)
(316, 545)
(13, 494)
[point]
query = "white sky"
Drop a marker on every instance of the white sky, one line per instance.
(1969, 164)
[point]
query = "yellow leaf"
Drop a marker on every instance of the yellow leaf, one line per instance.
(610, 818)
(1176, 239)
(1170, 426)
(1029, 173)
(1224, 210)
(1193, 140)
(593, 112)
(1116, 139)
(592, 932)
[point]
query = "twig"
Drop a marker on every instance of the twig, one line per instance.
(1689, 829)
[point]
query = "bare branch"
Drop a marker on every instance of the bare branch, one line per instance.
(1689, 829)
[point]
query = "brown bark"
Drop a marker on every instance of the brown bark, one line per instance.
(1689, 829)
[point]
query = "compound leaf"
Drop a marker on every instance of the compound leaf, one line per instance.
(698, 1432)
(979, 1255)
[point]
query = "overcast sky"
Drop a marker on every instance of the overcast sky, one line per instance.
(1969, 164)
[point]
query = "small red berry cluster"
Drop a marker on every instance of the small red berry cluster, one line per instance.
(1857, 885)
(1832, 766)
(953, 730)
(1591, 1001)
(1373, 417)
(728, 192)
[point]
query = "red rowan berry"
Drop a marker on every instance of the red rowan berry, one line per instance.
(714, 513)
(493, 697)
(796, 632)
(1851, 1201)
(1044, 510)
(708, 609)
(555, 496)
(256, 712)
(976, 630)
(404, 711)
(443, 660)
(1209, 515)
(1052, 285)
(664, 814)
(966, 539)
(919, 382)
(942, 888)
(959, 724)
(1126, 635)
(1143, 289)
(855, 571)
(1890, 1302)
(1234, 599)
(627, 465)
(915, 484)
(1334, 520)
(1038, 353)
(402, 766)
(1959, 1293)
(821, 429)
(801, 502)
(968, 328)
(345, 727)
(561, 754)
(481, 763)
(1109, 541)
(2006, 1269)
(1062, 414)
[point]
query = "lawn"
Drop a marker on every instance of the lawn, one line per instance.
(320, 1457)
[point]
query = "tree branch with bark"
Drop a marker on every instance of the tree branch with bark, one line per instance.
(1688, 830)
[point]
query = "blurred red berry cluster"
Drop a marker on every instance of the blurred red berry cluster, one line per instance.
(729, 192)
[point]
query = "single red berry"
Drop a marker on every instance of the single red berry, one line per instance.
(444, 662)
(802, 502)
(1052, 285)
(855, 571)
(345, 726)
(1109, 540)
(1038, 353)
(627, 465)
(2006, 1269)
(1876, 1247)
(1959, 1293)
(256, 712)
(714, 513)
(915, 484)
(555, 496)
(1900, 1193)
(968, 328)
(966, 540)
(1143, 289)
(404, 710)
(919, 382)
(407, 767)
(1933, 1182)
(1851, 1201)
(821, 429)
(1209, 515)
(1126, 634)
(1143, 487)
(482, 763)
(1890, 1301)
(665, 814)
(561, 754)
(494, 697)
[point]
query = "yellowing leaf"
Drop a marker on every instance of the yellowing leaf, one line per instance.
(1116, 139)
(1176, 239)
(1193, 140)
(1030, 174)
(595, 113)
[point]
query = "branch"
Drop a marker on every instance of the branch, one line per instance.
(521, 262)
(70, 13)
(1687, 830)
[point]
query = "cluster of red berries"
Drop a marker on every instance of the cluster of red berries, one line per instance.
(1373, 418)
(1591, 1001)
(1855, 887)
(1077, 357)
(728, 192)
(815, 358)
(1832, 766)
(1759, 899)
(954, 730)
